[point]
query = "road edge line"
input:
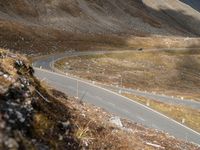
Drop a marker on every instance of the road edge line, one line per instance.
(73, 78)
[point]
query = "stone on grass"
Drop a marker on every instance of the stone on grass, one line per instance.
(1, 73)
(116, 121)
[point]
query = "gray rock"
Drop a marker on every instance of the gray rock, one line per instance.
(60, 137)
(5, 76)
(1, 73)
(2, 125)
(9, 78)
(20, 116)
(21, 119)
(128, 130)
(10, 110)
(116, 121)
(11, 143)
(64, 125)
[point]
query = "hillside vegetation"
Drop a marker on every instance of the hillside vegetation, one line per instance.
(35, 116)
(174, 72)
(51, 25)
(103, 16)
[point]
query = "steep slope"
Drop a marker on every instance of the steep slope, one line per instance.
(37, 117)
(83, 24)
(177, 13)
(156, 17)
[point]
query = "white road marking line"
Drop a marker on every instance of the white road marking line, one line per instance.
(122, 97)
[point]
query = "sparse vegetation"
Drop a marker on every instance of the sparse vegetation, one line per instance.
(189, 117)
(36, 116)
(63, 122)
(51, 26)
(173, 73)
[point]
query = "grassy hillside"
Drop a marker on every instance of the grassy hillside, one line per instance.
(33, 25)
(35, 116)
(103, 16)
(173, 72)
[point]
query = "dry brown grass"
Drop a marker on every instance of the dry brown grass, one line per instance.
(170, 72)
(88, 126)
(32, 39)
(19, 7)
(99, 17)
(70, 7)
(43, 40)
(191, 116)
(52, 26)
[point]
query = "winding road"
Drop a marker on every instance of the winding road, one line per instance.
(111, 101)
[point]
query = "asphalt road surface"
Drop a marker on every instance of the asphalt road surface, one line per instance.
(46, 63)
(111, 101)
(158, 97)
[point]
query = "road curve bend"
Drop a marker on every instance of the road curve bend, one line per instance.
(113, 102)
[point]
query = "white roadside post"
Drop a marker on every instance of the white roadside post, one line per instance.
(76, 89)
(53, 59)
(148, 103)
(183, 121)
(121, 84)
